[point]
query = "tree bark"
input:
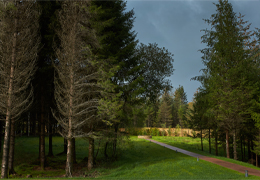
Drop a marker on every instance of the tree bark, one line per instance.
(74, 160)
(4, 169)
(69, 162)
(209, 142)
(216, 142)
(235, 145)
(50, 139)
(11, 150)
(252, 148)
(227, 144)
(115, 141)
(42, 134)
(1, 134)
(256, 160)
(90, 153)
(201, 140)
(248, 149)
(241, 148)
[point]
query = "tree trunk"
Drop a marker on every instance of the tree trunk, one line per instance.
(1, 134)
(4, 169)
(34, 124)
(42, 134)
(227, 144)
(244, 143)
(235, 145)
(50, 140)
(216, 142)
(90, 153)
(252, 148)
(115, 141)
(74, 160)
(11, 150)
(256, 160)
(69, 162)
(201, 140)
(241, 148)
(248, 149)
(209, 142)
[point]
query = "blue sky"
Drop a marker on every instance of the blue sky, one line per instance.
(176, 25)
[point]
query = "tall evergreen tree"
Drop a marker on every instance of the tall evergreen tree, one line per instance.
(19, 48)
(164, 113)
(230, 69)
(179, 106)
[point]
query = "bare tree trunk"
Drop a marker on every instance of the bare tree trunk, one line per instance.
(4, 169)
(209, 142)
(248, 149)
(11, 150)
(69, 163)
(201, 140)
(227, 144)
(90, 153)
(74, 160)
(216, 142)
(42, 135)
(50, 139)
(256, 160)
(252, 148)
(235, 145)
(115, 141)
(241, 148)
(1, 134)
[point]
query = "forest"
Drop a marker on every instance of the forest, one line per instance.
(76, 69)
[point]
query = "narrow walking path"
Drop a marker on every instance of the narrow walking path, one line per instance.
(226, 164)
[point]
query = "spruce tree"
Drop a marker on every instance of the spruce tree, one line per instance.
(19, 48)
(229, 73)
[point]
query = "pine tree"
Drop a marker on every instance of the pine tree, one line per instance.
(19, 46)
(179, 106)
(76, 91)
(229, 73)
(164, 113)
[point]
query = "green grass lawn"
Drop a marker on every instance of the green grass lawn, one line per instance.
(139, 159)
(193, 145)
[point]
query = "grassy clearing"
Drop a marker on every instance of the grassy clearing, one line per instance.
(193, 145)
(145, 160)
(139, 160)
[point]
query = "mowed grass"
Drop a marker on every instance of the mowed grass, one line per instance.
(140, 159)
(193, 145)
(146, 160)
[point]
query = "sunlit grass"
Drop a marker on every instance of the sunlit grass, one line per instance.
(193, 145)
(140, 159)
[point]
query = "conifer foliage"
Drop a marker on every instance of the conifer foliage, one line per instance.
(229, 76)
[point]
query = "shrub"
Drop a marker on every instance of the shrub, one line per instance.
(169, 131)
(194, 134)
(157, 132)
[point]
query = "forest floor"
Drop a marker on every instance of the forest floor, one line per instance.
(138, 159)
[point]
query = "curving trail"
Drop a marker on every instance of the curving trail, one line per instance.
(226, 164)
